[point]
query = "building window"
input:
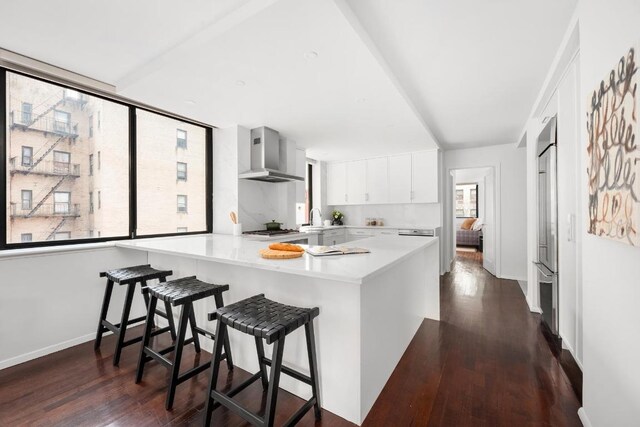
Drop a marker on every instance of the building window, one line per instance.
(182, 171)
(91, 126)
(27, 113)
(99, 200)
(61, 202)
(61, 121)
(72, 95)
(61, 162)
(90, 164)
(182, 229)
(467, 200)
(90, 233)
(99, 161)
(90, 201)
(158, 171)
(27, 156)
(181, 136)
(182, 203)
(98, 120)
(27, 200)
(62, 235)
(26, 237)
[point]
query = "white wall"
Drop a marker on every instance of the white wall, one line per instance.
(610, 270)
(401, 215)
(52, 302)
(510, 165)
(255, 202)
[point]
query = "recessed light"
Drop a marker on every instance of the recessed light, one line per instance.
(240, 83)
(190, 102)
(361, 100)
(311, 55)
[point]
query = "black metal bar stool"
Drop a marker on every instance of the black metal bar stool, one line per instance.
(180, 292)
(271, 321)
(130, 276)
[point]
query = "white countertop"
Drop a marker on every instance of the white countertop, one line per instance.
(372, 227)
(279, 237)
(386, 251)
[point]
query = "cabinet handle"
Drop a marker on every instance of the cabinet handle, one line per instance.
(366, 197)
(346, 198)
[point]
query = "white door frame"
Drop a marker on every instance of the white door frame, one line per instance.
(449, 228)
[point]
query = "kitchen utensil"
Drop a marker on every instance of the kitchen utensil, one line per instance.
(273, 225)
(273, 254)
(237, 229)
(234, 217)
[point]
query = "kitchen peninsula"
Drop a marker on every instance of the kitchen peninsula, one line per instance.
(371, 304)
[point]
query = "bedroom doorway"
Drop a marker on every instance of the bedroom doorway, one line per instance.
(474, 214)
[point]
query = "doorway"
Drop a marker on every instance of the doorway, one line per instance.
(473, 215)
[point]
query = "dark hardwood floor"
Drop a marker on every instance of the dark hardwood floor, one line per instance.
(485, 364)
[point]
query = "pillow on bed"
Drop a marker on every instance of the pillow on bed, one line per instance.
(467, 223)
(477, 226)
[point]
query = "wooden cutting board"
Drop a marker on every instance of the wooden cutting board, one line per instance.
(275, 254)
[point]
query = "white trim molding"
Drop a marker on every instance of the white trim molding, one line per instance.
(583, 417)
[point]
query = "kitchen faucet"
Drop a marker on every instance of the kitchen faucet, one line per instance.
(311, 215)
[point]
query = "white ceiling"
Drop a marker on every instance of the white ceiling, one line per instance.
(472, 68)
(387, 73)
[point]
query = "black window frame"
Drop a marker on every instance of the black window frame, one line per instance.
(132, 167)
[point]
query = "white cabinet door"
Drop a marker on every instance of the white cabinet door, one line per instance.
(377, 181)
(356, 182)
(424, 177)
(400, 179)
(336, 183)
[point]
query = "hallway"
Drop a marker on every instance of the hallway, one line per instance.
(485, 364)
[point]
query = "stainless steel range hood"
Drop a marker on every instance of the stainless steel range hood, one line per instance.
(268, 158)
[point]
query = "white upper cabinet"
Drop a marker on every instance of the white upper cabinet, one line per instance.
(336, 183)
(424, 177)
(356, 182)
(377, 184)
(404, 178)
(400, 179)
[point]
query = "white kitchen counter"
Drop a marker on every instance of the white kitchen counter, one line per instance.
(386, 251)
(371, 305)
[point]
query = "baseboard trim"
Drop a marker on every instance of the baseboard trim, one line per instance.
(7, 363)
(522, 279)
(582, 414)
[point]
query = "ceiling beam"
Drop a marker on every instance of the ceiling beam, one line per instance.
(354, 22)
(207, 32)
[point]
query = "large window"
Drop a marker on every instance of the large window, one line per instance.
(51, 175)
(467, 200)
(68, 171)
(167, 200)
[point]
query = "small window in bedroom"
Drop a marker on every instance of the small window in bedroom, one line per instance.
(467, 200)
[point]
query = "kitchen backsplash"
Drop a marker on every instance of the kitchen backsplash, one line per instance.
(427, 214)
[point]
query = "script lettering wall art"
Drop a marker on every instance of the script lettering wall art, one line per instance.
(613, 165)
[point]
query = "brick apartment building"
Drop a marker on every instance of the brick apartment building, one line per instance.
(68, 161)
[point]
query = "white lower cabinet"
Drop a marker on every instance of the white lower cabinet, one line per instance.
(334, 237)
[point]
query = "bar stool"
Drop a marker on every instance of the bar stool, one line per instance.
(180, 292)
(130, 276)
(271, 321)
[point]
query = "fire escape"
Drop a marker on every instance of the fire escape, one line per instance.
(55, 131)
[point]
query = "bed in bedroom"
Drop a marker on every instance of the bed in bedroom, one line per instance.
(469, 233)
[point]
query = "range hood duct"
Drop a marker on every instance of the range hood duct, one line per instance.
(268, 158)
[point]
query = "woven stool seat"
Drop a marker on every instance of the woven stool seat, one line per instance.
(263, 318)
(136, 273)
(186, 289)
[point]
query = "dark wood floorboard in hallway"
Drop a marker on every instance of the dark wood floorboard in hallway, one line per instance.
(485, 364)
